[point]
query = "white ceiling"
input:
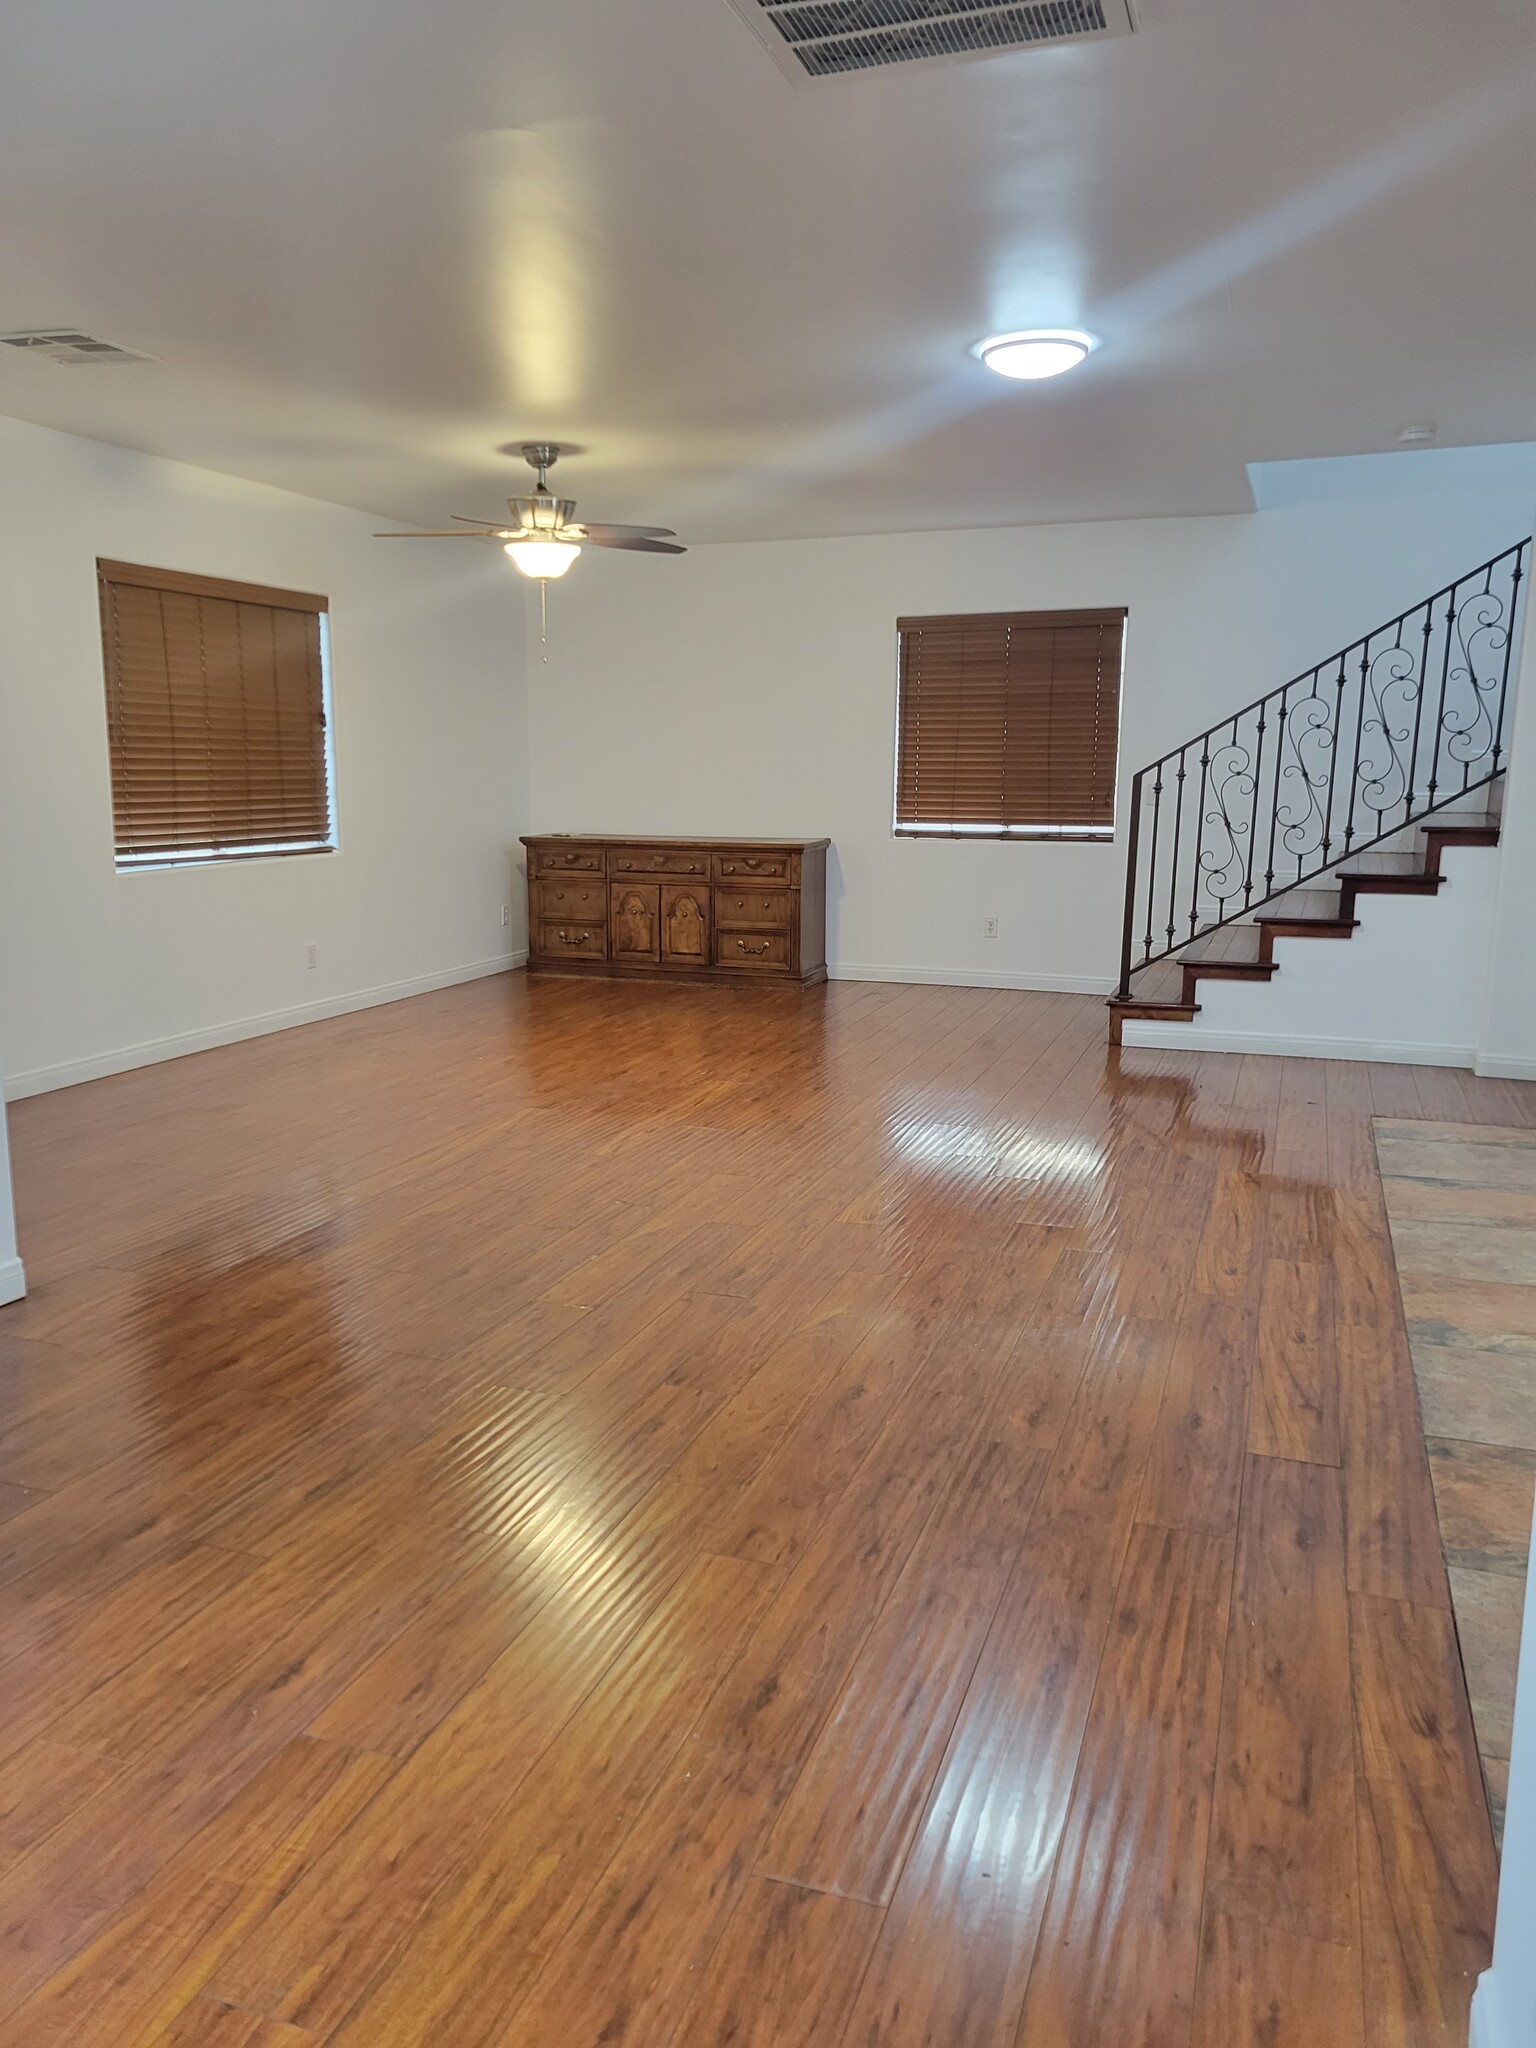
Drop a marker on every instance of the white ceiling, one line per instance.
(371, 241)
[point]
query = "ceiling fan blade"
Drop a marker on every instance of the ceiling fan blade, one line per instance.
(604, 536)
(439, 533)
(638, 547)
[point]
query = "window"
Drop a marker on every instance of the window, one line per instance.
(216, 717)
(1007, 724)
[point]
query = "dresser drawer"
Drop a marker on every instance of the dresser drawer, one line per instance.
(575, 939)
(754, 867)
(562, 896)
(753, 951)
(773, 908)
(570, 860)
(646, 860)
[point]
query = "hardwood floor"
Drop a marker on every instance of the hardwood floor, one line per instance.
(567, 1514)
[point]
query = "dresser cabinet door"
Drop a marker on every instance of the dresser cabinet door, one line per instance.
(685, 926)
(634, 921)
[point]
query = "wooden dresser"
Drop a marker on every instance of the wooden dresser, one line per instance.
(735, 910)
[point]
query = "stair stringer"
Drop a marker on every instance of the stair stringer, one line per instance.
(1408, 985)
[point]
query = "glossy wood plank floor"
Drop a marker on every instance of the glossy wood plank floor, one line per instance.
(557, 1514)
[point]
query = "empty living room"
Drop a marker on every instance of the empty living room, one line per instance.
(767, 1253)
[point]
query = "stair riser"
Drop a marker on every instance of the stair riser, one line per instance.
(1387, 885)
(1438, 837)
(1271, 929)
(1217, 970)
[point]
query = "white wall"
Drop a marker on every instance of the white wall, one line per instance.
(1507, 1045)
(1504, 2007)
(100, 970)
(751, 688)
(13, 1279)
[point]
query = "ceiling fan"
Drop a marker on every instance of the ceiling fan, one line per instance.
(544, 538)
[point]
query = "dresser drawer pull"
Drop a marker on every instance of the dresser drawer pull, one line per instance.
(743, 946)
(574, 938)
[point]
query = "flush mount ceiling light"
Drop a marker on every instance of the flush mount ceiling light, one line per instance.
(1036, 351)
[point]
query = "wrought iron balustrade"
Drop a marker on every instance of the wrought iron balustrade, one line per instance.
(1383, 733)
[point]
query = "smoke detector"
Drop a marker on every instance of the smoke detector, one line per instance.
(821, 39)
(69, 346)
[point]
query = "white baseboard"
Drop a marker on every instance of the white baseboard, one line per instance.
(1172, 1037)
(1495, 1067)
(978, 977)
(13, 1281)
(39, 1080)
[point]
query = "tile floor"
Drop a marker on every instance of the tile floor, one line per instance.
(1461, 1199)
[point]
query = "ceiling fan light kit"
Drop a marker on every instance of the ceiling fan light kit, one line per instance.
(541, 558)
(545, 536)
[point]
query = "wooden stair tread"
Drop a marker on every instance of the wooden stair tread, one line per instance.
(1234, 945)
(1162, 983)
(1303, 906)
(1382, 864)
(1463, 821)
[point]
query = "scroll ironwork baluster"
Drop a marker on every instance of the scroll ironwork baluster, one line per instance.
(1340, 683)
(1194, 886)
(1288, 753)
(1253, 811)
(1509, 648)
(1445, 676)
(1173, 865)
(1410, 795)
(1282, 722)
(1123, 986)
(1157, 812)
(1354, 772)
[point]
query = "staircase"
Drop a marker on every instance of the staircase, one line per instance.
(1350, 780)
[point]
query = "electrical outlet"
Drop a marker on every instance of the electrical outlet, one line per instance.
(313, 956)
(506, 915)
(989, 928)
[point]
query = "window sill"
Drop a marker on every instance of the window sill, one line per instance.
(264, 856)
(1087, 835)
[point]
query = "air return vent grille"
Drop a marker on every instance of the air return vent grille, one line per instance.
(69, 346)
(821, 39)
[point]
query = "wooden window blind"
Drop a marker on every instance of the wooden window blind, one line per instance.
(215, 717)
(1008, 723)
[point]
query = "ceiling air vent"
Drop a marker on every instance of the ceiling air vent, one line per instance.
(819, 39)
(68, 345)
